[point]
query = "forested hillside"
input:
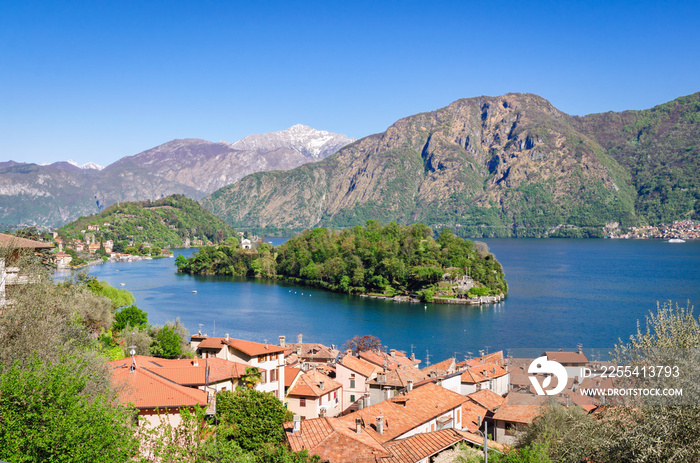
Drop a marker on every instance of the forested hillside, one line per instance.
(167, 222)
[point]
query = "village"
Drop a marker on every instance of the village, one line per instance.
(678, 230)
(357, 405)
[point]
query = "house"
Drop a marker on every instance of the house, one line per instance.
(212, 375)
(490, 376)
(155, 397)
(308, 355)
(314, 394)
(93, 227)
(387, 384)
(246, 244)
(443, 368)
(411, 428)
(353, 373)
(268, 358)
(62, 259)
(573, 362)
(510, 421)
(92, 248)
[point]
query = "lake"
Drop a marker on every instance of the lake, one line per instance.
(562, 293)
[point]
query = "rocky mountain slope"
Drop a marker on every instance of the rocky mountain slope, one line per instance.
(512, 165)
(54, 194)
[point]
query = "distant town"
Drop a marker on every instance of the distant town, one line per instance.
(679, 230)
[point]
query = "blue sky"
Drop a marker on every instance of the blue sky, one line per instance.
(95, 81)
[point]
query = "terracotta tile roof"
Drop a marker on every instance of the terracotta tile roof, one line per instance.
(400, 376)
(421, 446)
(189, 372)
(517, 413)
(494, 357)
(471, 411)
(487, 398)
(406, 411)
(314, 351)
(392, 362)
(148, 390)
(567, 357)
(290, 375)
(254, 349)
(474, 374)
(359, 366)
(442, 368)
(309, 385)
(11, 241)
(334, 442)
(250, 348)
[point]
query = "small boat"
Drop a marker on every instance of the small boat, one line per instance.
(194, 291)
(676, 240)
(122, 284)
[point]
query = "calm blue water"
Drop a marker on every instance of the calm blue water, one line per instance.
(562, 293)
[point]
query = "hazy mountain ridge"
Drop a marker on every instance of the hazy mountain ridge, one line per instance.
(495, 166)
(54, 194)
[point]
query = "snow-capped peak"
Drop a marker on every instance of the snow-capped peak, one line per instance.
(87, 165)
(305, 140)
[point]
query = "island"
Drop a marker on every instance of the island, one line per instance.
(402, 262)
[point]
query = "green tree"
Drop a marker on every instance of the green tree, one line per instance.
(256, 417)
(47, 415)
(130, 315)
(166, 343)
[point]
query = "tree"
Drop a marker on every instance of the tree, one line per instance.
(130, 315)
(47, 415)
(256, 417)
(252, 376)
(166, 343)
(363, 343)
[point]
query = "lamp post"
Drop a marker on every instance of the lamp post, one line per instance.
(486, 440)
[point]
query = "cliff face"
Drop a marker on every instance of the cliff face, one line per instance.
(494, 166)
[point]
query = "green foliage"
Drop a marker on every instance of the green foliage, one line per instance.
(393, 259)
(130, 315)
(118, 297)
(46, 415)
(166, 343)
(255, 417)
(252, 376)
(167, 222)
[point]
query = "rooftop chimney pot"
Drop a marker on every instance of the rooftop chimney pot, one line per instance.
(358, 425)
(380, 424)
(299, 338)
(283, 341)
(226, 337)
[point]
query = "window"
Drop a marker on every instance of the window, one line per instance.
(273, 375)
(511, 428)
(352, 397)
(302, 403)
(352, 383)
(335, 395)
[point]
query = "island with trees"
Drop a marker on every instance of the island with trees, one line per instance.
(403, 262)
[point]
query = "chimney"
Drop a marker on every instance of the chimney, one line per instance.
(478, 421)
(297, 424)
(380, 424)
(282, 341)
(413, 357)
(299, 349)
(409, 385)
(393, 353)
(494, 370)
(381, 377)
(358, 425)
(567, 401)
(322, 385)
(226, 337)
(195, 363)
(299, 338)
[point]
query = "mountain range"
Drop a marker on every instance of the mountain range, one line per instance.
(54, 194)
(512, 165)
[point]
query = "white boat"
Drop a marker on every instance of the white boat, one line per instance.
(194, 291)
(122, 284)
(676, 240)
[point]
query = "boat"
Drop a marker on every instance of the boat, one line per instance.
(676, 240)
(122, 284)
(194, 291)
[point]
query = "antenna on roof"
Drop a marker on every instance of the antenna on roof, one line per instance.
(132, 351)
(200, 329)
(427, 358)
